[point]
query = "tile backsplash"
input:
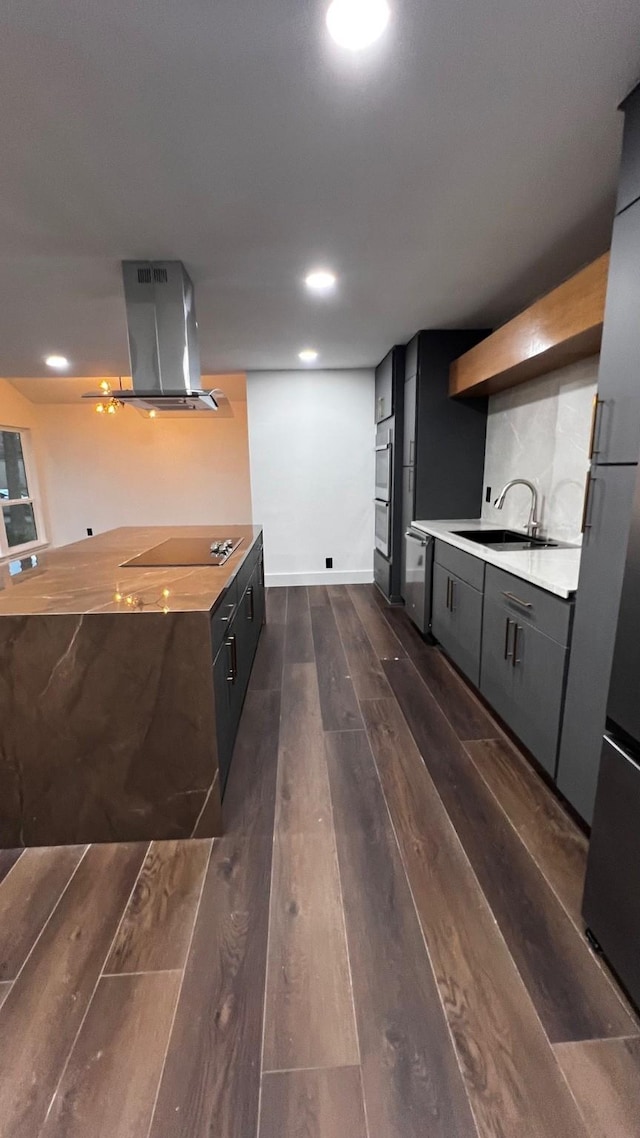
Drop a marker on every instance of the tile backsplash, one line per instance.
(540, 431)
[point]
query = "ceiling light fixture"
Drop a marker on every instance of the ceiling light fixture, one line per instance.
(355, 24)
(112, 404)
(320, 280)
(308, 355)
(57, 362)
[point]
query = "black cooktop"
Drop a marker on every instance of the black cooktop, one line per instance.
(179, 551)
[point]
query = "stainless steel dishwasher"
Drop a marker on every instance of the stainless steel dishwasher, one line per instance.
(416, 587)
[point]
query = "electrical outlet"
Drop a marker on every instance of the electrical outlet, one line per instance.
(487, 496)
(89, 531)
(328, 562)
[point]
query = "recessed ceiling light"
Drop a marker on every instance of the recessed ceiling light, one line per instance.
(57, 362)
(320, 280)
(355, 24)
(308, 355)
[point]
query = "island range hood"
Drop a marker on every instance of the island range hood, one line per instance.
(163, 340)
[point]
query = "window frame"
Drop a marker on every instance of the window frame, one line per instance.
(14, 552)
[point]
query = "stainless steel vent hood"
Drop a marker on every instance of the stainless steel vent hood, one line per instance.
(163, 341)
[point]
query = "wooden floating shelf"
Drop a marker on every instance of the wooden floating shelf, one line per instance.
(560, 328)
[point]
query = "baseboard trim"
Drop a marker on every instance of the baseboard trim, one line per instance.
(326, 577)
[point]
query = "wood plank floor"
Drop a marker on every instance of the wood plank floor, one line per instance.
(386, 943)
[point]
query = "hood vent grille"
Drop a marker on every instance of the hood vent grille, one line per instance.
(148, 274)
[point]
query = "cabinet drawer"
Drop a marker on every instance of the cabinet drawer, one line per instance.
(457, 620)
(223, 615)
(382, 573)
(529, 604)
(465, 566)
(245, 572)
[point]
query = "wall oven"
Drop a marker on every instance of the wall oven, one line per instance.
(384, 473)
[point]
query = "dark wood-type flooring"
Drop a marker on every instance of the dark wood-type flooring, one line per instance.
(386, 943)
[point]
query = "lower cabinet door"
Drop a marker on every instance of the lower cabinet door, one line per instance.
(259, 595)
(522, 676)
(232, 666)
(225, 727)
(496, 667)
(539, 666)
(457, 620)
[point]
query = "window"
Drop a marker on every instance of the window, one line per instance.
(20, 524)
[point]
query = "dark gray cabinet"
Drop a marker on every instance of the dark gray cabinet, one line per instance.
(611, 904)
(525, 636)
(617, 437)
(443, 438)
(611, 490)
(223, 691)
(629, 179)
(389, 402)
(384, 406)
(457, 620)
(409, 433)
(510, 638)
(234, 653)
(522, 675)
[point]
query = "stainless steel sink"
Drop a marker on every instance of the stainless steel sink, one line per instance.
(507, 540)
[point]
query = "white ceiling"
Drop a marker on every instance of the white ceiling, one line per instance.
(461, 167)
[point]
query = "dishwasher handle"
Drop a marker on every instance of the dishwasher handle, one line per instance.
(415, 537)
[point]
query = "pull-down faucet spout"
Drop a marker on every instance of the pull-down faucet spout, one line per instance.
(533, 525)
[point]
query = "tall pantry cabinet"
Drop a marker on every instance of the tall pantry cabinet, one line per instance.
(615, 451)
(443, 438)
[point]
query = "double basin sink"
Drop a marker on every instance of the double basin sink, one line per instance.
(507, 540)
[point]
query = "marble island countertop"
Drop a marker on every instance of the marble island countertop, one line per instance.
(555, 570)
(86, 577)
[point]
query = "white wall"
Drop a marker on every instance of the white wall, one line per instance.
(104, 472)
(311, 441)
(540, 431)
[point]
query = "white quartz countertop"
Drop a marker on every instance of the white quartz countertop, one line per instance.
(555, 570)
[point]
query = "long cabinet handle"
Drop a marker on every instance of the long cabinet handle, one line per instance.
(233, 658)
(453, 595)
(412, 445)
(252, 611)
(514, 658)
(593, 434)
(507, 630)
(512, 597)
(448, 592)
(585, 523)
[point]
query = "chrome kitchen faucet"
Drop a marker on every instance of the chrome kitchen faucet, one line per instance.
(533, 525)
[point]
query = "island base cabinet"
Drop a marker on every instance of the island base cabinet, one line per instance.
(232, 667)
(457, 620)
(522, 676)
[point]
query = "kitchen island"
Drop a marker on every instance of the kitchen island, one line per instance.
(121, 688)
